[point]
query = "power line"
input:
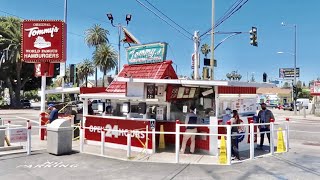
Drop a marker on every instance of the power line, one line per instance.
(163, 20)
(168, 18)
(235, 4)
(233, 9)
(69, 32)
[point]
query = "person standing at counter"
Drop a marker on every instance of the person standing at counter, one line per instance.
(264, 116)
(90, 110)
(234, 131)
(227, 116)
(191, 118)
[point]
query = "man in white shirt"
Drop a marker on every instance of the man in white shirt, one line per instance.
(191, 118)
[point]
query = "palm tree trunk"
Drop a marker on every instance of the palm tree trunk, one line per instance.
(18, 86)
(86, 81)
(96, 76)
(104, 76)
(11, 93)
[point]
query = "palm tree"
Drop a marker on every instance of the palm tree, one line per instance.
(10, 42)
(205, 49)
(84, 70)
(105, 57)
(96, 36)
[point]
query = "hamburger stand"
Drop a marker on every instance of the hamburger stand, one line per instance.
(147, 96)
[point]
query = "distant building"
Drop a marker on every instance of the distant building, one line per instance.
(269, 95)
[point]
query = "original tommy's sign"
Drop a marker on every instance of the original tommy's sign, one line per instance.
(43, 41)
(117, 130)
(147, 53)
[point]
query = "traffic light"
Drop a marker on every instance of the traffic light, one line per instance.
(253, 37)
(56, 71)
(295, 91)
(264, 77)
(205, 73)
(72, 73)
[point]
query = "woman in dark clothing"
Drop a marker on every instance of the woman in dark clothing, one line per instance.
(234, 131)
(90, 110)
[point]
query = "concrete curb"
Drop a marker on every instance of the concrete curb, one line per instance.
(10, 148)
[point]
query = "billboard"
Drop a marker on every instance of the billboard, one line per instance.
(288, 72)
(43, 41)
(147, 53)
(315, 88)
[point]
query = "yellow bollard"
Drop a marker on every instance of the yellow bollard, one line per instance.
(223, 151)
(162, 144)
(280, 146)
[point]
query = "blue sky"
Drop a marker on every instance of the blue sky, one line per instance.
(234, 54)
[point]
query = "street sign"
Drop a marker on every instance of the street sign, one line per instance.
(206, 62)
(17, 135)
(288, 72)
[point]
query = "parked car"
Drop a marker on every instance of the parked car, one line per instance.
(289, 106)
(25, 103)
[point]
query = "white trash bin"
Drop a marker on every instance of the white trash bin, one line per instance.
(59, 137)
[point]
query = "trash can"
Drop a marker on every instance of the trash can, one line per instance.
(59, 137)
(2, 135)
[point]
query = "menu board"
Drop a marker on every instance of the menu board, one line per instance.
(181, 92)
(186, 92)
(244, 105)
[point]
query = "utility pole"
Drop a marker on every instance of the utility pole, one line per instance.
(63, 64)
(212, 44)
(196, 40)
(295, 67)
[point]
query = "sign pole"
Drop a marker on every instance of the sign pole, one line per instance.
(43, 99)
(63, 64)
(43, 95)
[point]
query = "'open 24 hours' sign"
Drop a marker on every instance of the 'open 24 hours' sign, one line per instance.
(43, 41)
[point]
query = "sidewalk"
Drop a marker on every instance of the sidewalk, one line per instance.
(298, 117)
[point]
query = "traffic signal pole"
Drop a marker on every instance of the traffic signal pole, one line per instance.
(212, 44)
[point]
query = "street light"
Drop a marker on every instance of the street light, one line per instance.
(119, 26)
(295, 59)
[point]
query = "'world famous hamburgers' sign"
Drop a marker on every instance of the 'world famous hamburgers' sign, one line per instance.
(43, 41)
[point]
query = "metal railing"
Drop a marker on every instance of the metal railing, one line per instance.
(177, 134)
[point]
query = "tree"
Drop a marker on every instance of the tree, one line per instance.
(205, 49)
(96, 36)
(14, 72)
(105, 57)
(286, 85)
(311, 83)
(84, 70)
(299, 84)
